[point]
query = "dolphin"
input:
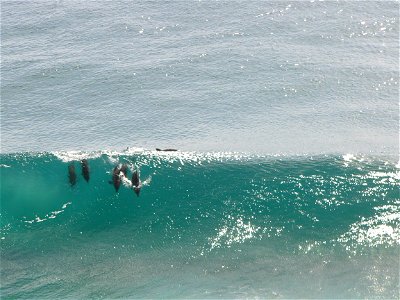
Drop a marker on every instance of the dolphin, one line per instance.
(71, 174)
(136, 183)
(116, 179)
(85, 169)
(158, 149)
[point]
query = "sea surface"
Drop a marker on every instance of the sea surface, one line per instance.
(286, 118)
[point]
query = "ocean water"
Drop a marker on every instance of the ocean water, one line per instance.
(252, 76)
(285, 114)
(219, 225)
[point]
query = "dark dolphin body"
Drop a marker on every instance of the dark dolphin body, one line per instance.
(136, 183)
(158, 149)
(85, 169)
(116, 179)
(71, 174)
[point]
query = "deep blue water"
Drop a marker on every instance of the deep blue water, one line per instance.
(286, 116)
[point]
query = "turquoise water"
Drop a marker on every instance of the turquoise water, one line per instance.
(286, 116)
(205, 225)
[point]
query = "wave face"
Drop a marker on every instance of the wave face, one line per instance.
(200, 220)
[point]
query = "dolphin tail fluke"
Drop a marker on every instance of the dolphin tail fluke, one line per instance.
(137, 191)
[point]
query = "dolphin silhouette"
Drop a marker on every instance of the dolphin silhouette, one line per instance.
(116, 179)
(136, 183)
(72, 174)
(85, 169)
(158, 149)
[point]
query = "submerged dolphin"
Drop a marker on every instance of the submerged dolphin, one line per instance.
(85, 169)
(136, 183)
(71, 174)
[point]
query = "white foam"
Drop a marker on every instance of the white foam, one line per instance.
(67, 156)
(66, 204)
(171, 156)
(125, 181)
(348, 157)
(385, 174)
(51, 215)
(147, 181)
(381, 229)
